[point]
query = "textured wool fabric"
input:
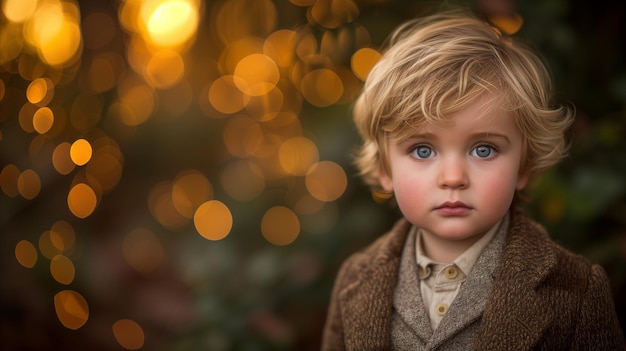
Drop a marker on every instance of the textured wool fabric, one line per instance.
(542, 298)
(459, 327)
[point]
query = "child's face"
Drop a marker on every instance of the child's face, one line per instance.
(457, 181)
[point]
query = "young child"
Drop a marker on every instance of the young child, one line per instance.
(455, 120)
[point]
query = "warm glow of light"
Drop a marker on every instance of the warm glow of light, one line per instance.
(105, 167)
(380, 197)
(280, 226)
(321, 87)
(326, 181)
(26, 253)
(242, 180)
(40, 91)
(80, 152)
(508, 24)
(128, 334)
(161, 205)
(46, 245)
(170, 23)
(297, 155)
(43, 120)
(265, 107)
(62, 269)
(165, 69)
(139, 99)
(29, 184)
(280, 46)
(8, 180)
(62, 236)
(55, 32)
(362, 62)
(142, 250)
(189, 191)
(26, 117)
(226, 97)
(213, 220)
(63, 46)
(82, 200)
(61, 159)
(19, 11)
(332, 14)
(12, 43)
(259, 74)
(71, 309)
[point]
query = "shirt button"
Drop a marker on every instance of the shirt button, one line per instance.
(451, 272)
(441, 309)
(423, 273)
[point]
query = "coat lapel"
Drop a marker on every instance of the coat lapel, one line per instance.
(408, 298)
(515, 307)
(370, 296)
(469, 304)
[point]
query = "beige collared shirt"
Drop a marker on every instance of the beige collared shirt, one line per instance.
(440, 282)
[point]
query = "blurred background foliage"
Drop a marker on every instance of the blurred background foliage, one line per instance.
(176, 175)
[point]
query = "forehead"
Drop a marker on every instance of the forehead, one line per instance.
(477, 115)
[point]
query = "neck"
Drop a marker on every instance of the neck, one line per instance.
(444, 250)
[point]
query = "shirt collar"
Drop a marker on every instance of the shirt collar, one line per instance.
(466, 260)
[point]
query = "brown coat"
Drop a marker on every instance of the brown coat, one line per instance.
(543, 297)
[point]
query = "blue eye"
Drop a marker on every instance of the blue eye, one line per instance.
(423, 151)
(483, 151)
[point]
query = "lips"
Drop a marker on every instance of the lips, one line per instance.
(453, 208)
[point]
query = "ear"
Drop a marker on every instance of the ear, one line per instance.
(522, 180)
(385, 180)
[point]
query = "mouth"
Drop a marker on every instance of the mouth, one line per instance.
(453, 208)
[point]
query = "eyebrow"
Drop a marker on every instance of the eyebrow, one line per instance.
(480, 135)
(488, 135)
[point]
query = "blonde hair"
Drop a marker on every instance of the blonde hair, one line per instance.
(440, 64)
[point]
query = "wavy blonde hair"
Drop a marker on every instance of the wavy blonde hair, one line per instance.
(438, 65)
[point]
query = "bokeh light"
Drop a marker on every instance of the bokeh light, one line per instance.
(297, 155)
(170, 23)
(29, 184)
(213, 220)
(82, 200)
(61, 159)
(19, 11)
(128, 334)
(62, 269)
(43, 120)
(80, 152)
(133, 130)
(63, 236)
(363, 60)
(280, 226)
(71, 309)
(26, 253)
(326, 181)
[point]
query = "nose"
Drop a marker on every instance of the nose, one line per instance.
(453, 173)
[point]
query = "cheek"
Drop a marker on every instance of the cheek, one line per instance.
(411, 192)
(499, 190)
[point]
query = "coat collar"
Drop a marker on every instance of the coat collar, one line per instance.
(515, 307)
(370, 296)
